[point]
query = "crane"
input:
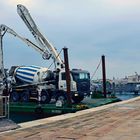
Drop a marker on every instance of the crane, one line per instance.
(42, 41)
(5, 29)
(2, 72)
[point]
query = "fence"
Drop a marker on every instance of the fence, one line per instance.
(4, 106)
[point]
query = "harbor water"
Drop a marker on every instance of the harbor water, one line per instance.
(126, 95)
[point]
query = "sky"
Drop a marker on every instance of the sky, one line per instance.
(88, 28)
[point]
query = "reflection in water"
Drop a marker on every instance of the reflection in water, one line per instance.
(126, 95)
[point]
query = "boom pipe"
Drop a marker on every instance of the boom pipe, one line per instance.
(4, 29)
(2, 73)
(41, 40)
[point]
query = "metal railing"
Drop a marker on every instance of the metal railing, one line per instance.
(4, 106)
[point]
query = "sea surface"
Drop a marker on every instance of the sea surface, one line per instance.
(126, 95)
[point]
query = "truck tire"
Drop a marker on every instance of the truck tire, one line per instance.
(45, 97)
(25, 96)
(61, 96)
(14, 96)
(77, 99)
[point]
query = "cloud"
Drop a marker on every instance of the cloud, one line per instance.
(88, 28)
(124, 3)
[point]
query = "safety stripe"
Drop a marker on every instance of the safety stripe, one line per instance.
(27, 68)
(26, 73)
(28, 76)
(19, 70)
(36, 67)
(24, 78)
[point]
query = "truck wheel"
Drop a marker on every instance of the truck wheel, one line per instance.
(25, 96)
(61, 96)
(14, 96)
(45, 97)
(77, 99)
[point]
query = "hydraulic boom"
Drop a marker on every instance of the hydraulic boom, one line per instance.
(5, 29)
(2, 73)
(49, 50)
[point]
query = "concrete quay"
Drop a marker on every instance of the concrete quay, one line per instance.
(116, 121)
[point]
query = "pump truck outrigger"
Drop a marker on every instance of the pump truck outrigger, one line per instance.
(41, 83)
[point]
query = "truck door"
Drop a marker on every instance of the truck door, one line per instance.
(62, 82)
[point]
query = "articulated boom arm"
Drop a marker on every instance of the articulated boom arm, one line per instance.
(49, 50)
(4, 29)
(2, 72)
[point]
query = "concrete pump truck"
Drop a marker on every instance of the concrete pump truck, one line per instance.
(42, 83)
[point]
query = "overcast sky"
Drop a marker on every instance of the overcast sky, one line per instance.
(89, 28)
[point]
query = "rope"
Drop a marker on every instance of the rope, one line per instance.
(96, 69)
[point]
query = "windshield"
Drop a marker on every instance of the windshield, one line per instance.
(80, 76)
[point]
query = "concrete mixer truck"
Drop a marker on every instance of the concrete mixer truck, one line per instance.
(27, 82)
(33, 82)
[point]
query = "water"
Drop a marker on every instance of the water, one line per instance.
(126, 95)
(26, 117)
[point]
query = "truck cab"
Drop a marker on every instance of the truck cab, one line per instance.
(82, 79)
(80, 83)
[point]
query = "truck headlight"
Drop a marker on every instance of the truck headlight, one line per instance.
(76, 94)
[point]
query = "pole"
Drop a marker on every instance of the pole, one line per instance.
(2, 73)
(1, 59)
(67, 75)
(104, 75)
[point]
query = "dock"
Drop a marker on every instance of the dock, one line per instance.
(116, 121)
(51, 108)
